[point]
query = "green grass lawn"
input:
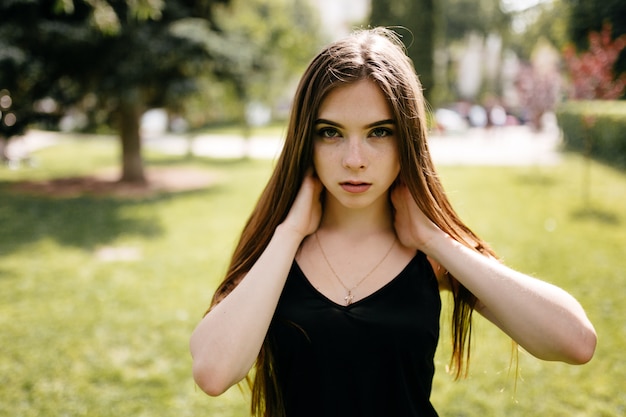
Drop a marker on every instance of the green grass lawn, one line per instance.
(81, 335)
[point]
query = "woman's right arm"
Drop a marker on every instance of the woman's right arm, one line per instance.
(227, 341)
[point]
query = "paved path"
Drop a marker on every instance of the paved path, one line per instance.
(515, 145)
(512, 145)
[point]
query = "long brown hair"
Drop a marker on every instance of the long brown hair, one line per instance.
(376, 54)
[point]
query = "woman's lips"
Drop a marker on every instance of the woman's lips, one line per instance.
(355, 187)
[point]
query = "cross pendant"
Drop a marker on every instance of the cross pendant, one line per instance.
(348, 298)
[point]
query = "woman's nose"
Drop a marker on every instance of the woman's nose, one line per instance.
(355, 157)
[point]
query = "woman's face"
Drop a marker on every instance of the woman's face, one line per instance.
(355, 150)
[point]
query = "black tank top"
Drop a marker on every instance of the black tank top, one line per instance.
(373, 358)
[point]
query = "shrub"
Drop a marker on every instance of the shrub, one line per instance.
(597, 124)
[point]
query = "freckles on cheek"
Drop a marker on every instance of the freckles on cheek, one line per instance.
(321, 158)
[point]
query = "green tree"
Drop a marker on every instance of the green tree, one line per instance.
(260, 46)
(115, 58)
(460, 17)
(415, 20)
(24, 76)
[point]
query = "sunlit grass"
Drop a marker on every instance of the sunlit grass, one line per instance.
(81, 335)
(538, 221)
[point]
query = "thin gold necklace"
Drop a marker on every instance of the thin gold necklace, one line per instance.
(349, 296)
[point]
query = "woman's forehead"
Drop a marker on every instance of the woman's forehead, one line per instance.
(359, 102)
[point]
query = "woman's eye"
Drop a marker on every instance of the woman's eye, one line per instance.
(328, 132)
(381, 132)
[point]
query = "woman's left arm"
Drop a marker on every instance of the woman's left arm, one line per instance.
(541, 317)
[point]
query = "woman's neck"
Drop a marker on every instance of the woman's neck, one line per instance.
(376, 218)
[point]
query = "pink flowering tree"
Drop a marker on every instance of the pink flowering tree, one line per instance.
(591, 72)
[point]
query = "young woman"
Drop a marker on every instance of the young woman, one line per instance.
(332, 294)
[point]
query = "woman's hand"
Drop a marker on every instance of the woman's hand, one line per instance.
(306, 212)
(413, 228)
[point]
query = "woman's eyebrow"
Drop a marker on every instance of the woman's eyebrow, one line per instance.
(381, 123)
(327, 122)
(374, 124)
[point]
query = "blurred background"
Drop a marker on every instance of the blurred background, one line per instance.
(136, 135)
(181, 66)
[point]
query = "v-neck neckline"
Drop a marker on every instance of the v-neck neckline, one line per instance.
(360, 301)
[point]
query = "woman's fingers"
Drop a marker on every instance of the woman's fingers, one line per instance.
(412, 226)
(305, 213)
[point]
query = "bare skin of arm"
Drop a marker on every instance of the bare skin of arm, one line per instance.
(542, 318)
(227, 341)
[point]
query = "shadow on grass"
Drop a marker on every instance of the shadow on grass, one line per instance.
(83, 221)
(80, 221)
(597, 215)
(537, 179)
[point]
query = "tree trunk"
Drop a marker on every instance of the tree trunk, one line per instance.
(4, 146)
(129, 121)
